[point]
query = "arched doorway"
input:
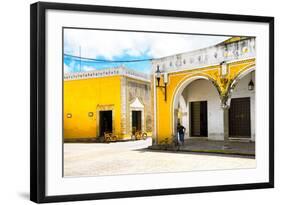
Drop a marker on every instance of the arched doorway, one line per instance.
(197, 107)
(136, 116)
(242, 106)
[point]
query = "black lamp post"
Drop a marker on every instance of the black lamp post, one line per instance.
(158, 77)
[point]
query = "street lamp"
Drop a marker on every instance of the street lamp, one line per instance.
(165, 79)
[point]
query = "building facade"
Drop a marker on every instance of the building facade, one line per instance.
(209, 91)
(116, 100)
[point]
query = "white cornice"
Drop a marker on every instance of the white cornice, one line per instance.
(116, 71)
(214, 55)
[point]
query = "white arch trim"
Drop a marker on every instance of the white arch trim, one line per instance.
(182, 103)
(183, 107)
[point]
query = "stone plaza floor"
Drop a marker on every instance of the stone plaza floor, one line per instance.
(134, 157)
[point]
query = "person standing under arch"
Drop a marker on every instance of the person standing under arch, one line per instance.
(181, 130)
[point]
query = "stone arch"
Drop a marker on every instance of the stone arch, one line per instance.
(178, 93)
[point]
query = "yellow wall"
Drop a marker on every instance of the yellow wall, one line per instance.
(85, 95)
(164, 110)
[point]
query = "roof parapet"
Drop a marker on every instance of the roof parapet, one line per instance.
(115, 71)
(228, 51)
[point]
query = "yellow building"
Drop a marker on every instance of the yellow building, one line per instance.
(115, 100)
(209, 91)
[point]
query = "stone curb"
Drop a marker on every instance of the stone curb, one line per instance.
(180, 149)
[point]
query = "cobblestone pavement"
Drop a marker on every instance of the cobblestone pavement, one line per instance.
(132, 157)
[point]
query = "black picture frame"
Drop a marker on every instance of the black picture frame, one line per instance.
(38, 103)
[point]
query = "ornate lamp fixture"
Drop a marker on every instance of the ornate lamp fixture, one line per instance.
(223, 70)
(251, 85)
(158, 75)
(165, 79)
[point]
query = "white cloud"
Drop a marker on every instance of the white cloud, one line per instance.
(110, 44)
(66, 69)
(87, 68)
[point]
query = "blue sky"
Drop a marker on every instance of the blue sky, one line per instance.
(76, 65)
(122, 46)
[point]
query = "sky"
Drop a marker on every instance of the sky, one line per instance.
(124, 45)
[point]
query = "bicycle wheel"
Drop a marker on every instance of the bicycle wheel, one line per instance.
(114, 138)
(144, 136)
(106, 138)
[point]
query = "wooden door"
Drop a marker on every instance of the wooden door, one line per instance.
(239, 118)
(199, 119)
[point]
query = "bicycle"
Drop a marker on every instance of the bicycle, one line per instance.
(139, 135)
(109, 137)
